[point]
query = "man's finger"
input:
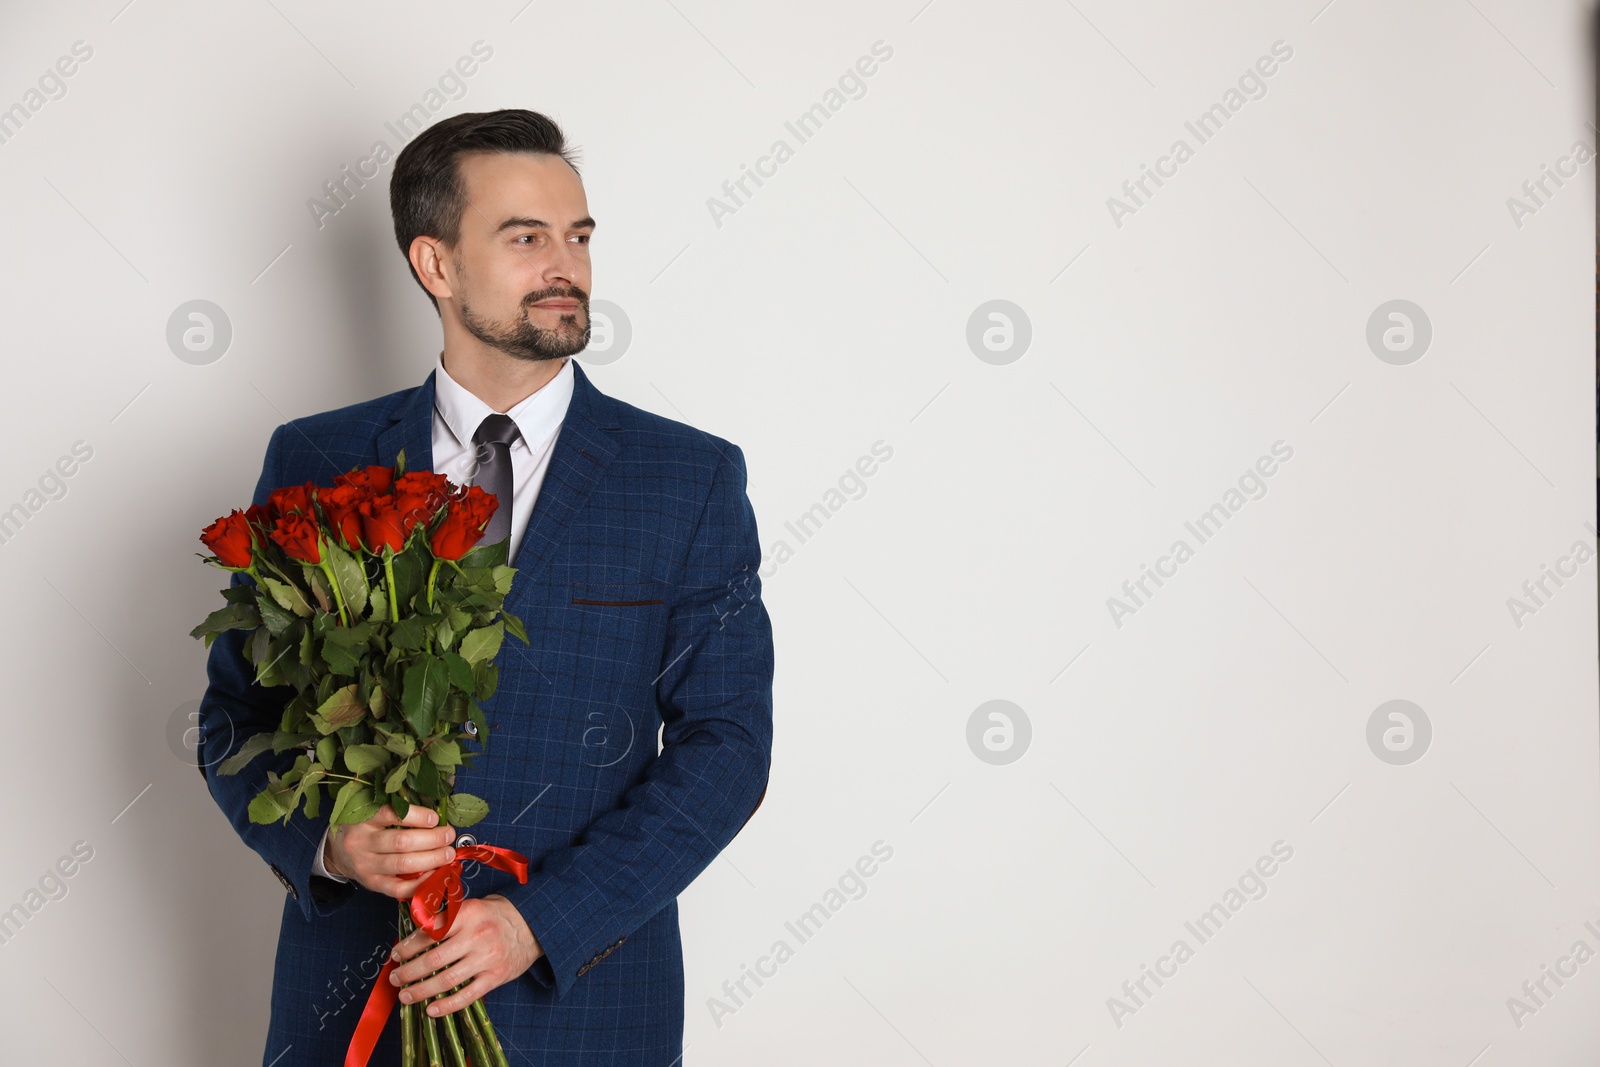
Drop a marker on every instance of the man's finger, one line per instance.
(418, 815)
(405, 864)
(427, 956)
(474, 989)
(412, 840)
(413, 945)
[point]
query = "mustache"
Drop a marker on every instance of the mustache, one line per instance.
(558, 293)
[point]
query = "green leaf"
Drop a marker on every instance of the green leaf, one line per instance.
(402, 745)
(295, 773)
(396, 779)
(239, 594)
(502, 579)
(317, 582)
(276, 619)
(446, 631)
(514, 626)
(364, 807)
(253, 747)
(480, 645)
(410, 633)
(410, 571)
(486, 555)
(351, 576)
(266, 808)
(466, 809)
(349, 793)
(399, 803)
(460, 672)
(426, 776)
(229, 617)
(314, 800)
(287, 596)
(362, 759)
(422, 692)
(340, 660)
(445, 754)
(278, 664)
(380, 603)
(480, 580)
(343, 647)
(328, 751)
(342, 709)
(488, 676)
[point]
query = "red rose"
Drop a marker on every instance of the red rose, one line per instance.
(292, 498)
(341, 510)
(298, 534)
(377, 480)
(418, 496)
(262, 515)
(229, 539)
(381, 525)
(463, 524)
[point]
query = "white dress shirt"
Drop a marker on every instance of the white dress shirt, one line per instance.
(457, 413)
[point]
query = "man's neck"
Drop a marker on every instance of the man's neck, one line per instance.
(499, 380)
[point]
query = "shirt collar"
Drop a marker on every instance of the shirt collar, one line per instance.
(538, 416)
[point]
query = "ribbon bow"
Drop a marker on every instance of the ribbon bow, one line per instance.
(433, 908)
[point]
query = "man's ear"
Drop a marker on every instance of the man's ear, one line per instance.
(430, 261)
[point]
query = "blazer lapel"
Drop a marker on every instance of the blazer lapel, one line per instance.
(582, 451)
(411, 429)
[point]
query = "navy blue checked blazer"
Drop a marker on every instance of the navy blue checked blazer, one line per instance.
(637, 582)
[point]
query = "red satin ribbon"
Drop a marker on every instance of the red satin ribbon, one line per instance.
(433, 908)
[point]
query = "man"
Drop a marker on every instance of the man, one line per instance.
(636, 555)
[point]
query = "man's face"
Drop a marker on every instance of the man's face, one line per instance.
(522, 258)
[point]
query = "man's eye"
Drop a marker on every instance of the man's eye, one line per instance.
(525, 237)
(584, 237)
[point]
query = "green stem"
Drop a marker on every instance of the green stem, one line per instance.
(433, 573)
(408, 1035)
(452, 1039)
(430, 1033)
(497, 1055)
(338, 595)
(479, 1050)
(388, 573)
(408, 1012)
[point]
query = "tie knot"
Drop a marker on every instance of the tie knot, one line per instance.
(496, 429)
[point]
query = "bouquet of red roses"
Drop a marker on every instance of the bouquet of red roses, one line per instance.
(373, 602)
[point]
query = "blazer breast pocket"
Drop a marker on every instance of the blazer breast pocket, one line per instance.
(636, 595)
(618, 629)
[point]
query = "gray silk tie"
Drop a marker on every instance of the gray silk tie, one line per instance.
(493, 442)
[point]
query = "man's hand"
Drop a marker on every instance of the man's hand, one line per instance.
(489, 943)
(389, 855)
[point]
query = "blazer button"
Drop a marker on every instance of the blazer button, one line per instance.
(285, 880)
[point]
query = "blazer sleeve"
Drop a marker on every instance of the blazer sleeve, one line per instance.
(715, 699)
(233, 709)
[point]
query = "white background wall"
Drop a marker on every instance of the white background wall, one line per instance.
(830, 312)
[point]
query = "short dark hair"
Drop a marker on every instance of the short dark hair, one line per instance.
(425, 194)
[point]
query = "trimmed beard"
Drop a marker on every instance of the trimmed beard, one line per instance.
(526, 341)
